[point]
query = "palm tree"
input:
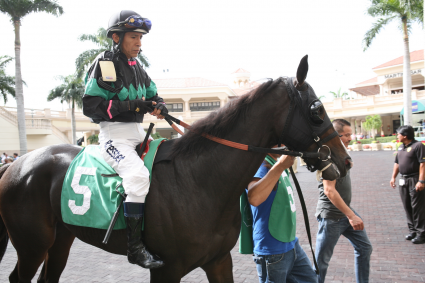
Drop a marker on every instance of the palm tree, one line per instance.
(339, 94)
(7, 83)
(372, 123)
(103, 43)
(17, 9)
(70, 91)
(406, 12)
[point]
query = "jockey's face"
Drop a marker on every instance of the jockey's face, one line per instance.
(131, 43)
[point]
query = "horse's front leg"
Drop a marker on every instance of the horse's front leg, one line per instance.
(219, 270)
(170, 273)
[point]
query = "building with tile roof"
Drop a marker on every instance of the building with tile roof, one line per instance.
(191, 99)
(383, 95)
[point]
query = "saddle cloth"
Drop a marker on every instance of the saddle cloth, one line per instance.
(89, 198)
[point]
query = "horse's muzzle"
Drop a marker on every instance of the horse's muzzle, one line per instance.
(349, 163)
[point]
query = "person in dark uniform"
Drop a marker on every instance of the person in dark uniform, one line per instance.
(410, 162)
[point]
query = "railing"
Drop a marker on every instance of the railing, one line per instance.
(60, 135)
(38, 123)
(199, 114)
(9, 116)
(355, 101)
(46, 113)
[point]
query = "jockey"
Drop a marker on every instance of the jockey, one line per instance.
(118, 94)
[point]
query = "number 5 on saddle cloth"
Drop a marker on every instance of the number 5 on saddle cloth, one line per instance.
(88, 199)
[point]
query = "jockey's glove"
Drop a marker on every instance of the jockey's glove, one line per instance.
(137, 105)
(161, 106)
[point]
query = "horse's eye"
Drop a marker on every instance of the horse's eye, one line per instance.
(317, 112)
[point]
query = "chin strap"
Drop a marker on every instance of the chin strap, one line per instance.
(116, 49)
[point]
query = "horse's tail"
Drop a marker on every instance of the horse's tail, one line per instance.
(4, 237)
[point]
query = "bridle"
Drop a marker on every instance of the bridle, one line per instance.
(295, 96)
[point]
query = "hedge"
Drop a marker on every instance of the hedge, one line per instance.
(380, 139)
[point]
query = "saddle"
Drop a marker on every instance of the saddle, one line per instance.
(163, 153)
(91, 190)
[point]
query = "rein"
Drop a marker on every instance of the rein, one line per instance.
(280, 150)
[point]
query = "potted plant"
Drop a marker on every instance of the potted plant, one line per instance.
(376, 145)
(366, 147)
(357, 146)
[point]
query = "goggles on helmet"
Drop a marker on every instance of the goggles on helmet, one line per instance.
(135, 21)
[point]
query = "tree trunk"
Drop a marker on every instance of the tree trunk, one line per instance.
(19, 92)
(73, 126)
(407, 78)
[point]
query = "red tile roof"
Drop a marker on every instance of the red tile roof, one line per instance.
(250, 86)
(366, 90)
(186, 83)
(417, 55)
(369, 81)
(240, 70)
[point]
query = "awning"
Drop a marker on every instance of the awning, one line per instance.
(417, 106)
(366, 90)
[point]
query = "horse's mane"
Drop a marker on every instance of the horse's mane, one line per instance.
(220, 122)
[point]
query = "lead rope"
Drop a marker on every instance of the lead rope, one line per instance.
(306, 222)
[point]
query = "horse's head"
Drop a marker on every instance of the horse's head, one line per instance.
(309, 129)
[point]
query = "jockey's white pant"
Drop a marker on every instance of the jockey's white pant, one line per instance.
(118, 141)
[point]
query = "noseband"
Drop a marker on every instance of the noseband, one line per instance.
(295, 101)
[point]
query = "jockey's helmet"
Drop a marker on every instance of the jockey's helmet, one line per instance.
(127, 20)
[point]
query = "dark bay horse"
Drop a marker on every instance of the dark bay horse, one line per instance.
(192, 210)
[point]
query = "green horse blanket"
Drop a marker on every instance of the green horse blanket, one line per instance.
(89, 199)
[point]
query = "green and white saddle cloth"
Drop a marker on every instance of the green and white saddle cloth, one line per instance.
(89, 199)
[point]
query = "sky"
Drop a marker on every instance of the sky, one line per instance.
(212, 39)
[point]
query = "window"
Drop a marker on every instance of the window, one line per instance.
(204, 106)
(175, 107)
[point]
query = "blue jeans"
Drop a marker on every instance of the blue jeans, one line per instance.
(292, 266)
(327, 236)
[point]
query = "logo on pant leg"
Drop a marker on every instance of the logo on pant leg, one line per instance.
(113, 152)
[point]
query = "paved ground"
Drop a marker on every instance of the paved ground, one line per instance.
(393, 259)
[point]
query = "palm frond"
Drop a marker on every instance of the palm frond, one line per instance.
(7, 86)
(89, 37)
(57, 92)
(382, 9)
(373, 32)
(4, 60)
(143, 60)
(85, 59)
(48, 6)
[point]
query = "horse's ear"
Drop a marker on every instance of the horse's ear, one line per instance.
(302, 70)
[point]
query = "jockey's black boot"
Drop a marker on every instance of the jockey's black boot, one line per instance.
(136, 250)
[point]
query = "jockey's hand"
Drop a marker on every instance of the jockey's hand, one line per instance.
(159, 108)
(141, 106)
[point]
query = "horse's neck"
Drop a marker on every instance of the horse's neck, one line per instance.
(227, 171)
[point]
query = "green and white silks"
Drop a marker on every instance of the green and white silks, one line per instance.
(93, 89)
(282, 219)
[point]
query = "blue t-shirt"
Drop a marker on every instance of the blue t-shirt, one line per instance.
(264, 242)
